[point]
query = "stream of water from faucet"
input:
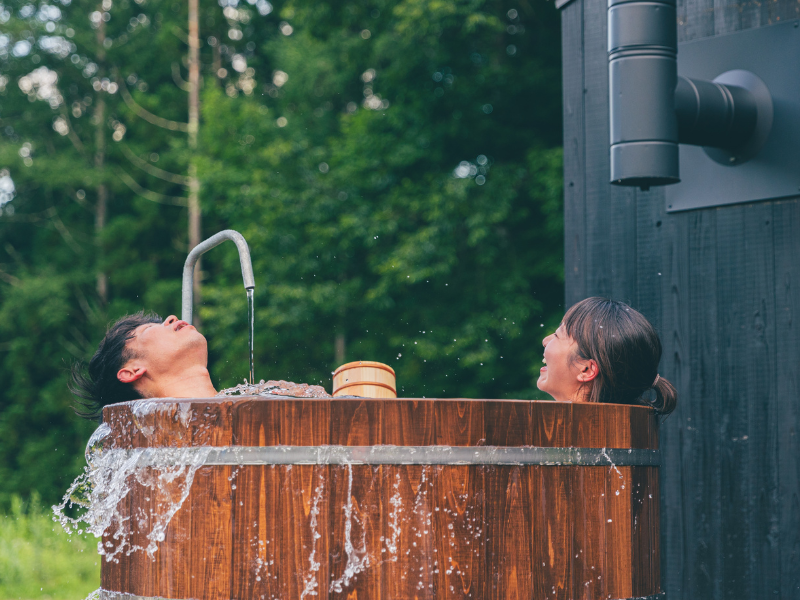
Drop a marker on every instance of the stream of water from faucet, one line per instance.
(251, 318)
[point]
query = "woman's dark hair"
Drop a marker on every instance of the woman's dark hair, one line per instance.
(627, 351)
(98, 385)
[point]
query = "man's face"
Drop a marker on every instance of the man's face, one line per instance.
(168, 347)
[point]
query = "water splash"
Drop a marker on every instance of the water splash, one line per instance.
(357, 558)
(94, 447)
(619, 473)
(394, 519)
(421, 494)
(613, 466)
(169, 482)
(310, 584)
(144, 411)
(109, 477)
(276, 388)
(97, 493)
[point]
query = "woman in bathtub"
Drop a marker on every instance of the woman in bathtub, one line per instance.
(605, 351)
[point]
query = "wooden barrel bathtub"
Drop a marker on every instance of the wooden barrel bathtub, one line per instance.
(389, 499)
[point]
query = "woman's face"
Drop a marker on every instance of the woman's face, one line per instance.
(559, 375)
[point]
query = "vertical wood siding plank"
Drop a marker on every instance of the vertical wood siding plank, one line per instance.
(622, 210)
(574, 153)
(734, 315)
(598, 245)
(675, 366)
(787, 334)
(695, 19)
(651, 226)
(761, 445)
(701, 418)
(727, 16)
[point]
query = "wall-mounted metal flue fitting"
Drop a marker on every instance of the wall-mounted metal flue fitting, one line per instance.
(730, 116)
(642, 73)
(187, 293)
(709, 113)
(652, 110)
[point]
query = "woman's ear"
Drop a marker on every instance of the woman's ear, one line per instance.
(131, 373)
(589, 370)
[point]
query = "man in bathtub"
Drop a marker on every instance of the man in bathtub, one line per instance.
(142, 356)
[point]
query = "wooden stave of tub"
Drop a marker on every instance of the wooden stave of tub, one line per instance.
(546, 531)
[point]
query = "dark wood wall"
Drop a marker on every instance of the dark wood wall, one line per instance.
(722, 286)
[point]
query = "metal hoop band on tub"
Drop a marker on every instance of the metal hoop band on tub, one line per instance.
(109, 595)
(393, 455)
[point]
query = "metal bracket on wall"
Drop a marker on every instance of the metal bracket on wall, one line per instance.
(773, 54)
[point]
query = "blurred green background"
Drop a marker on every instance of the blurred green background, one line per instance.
(394, 165)
(39, 560)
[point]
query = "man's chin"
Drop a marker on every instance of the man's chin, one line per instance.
(190, 332)
(193, 341)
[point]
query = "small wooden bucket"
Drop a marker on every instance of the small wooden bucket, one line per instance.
(365, 378)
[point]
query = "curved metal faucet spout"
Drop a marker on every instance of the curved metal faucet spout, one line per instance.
(187, 294)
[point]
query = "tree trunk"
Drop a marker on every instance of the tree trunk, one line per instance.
(101, 208)
(339, 349)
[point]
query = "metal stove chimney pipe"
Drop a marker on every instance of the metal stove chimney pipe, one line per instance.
(642, 74)
(652, 110)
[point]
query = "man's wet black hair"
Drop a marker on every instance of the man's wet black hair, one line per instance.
(97, 386)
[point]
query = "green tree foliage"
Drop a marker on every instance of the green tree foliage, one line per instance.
(394, 166)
